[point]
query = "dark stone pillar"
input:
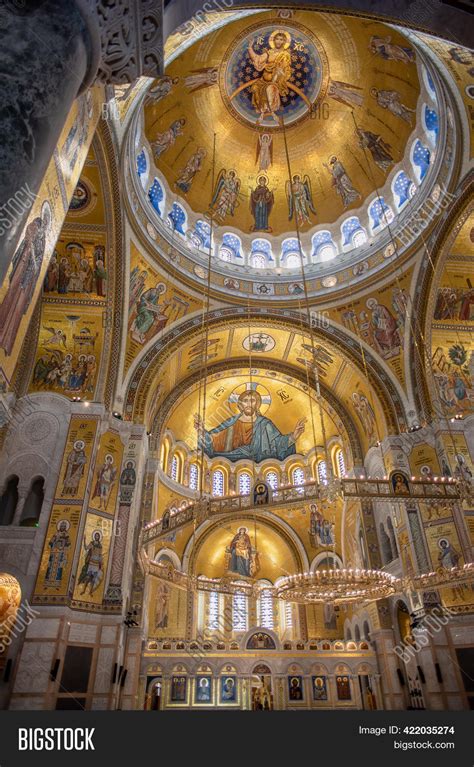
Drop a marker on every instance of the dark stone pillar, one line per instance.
(50, 52)
(46, 55)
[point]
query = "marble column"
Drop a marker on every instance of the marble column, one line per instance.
(47, 55)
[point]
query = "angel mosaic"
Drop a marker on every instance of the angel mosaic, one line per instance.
(264, 151)
(345, 93)
(161, 88)
(300, 199)
(201, 78)
(226, 194)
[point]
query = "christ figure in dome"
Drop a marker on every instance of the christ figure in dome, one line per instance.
(275, 65)
(248, 434)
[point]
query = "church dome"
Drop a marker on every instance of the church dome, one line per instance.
(263, 140)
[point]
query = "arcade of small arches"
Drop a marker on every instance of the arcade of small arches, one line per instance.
(223, 478)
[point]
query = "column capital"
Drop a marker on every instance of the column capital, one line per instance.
(126, 39)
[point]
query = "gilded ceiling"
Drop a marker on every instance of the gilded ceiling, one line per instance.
(216, 127)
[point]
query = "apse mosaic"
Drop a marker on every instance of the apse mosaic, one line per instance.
(266, 417)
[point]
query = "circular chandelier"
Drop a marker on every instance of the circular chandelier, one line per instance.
(338, 586)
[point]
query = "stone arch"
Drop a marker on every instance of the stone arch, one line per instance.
(138, 382)
(280, 527)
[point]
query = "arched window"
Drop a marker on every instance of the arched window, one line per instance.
(293, 261)
(231, 247)
(357, 633)
(225, 254)
(201, 234)
(324, 248)
(257, 260)
(213, 610)
(9, 501)
(380, 214)
(353, 232)
(174, 469)
(297, 476)
(265, 615)
(385, 545)
(142, 168)
(288, 615)
(240, 618)
(218, 482)
(366, 631)
(340, 463)
(322, 472)
(177, 218)
(404, 189)
(421, 158)
(359, 238)
(33, 503)
(430, 86)
(260, 254)
(165, 450)
(271, 478)
(291, 254)
(244, 483)
(156, 196)
(431, 123)
(193, 476)
(393, 537)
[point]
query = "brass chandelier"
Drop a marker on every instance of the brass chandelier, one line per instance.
(336, 586)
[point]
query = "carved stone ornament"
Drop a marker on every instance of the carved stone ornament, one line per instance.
(131, 33)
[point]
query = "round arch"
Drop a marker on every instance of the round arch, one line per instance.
(139, 380)
(278, 525)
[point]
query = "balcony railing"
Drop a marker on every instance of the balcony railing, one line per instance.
(439, 491)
